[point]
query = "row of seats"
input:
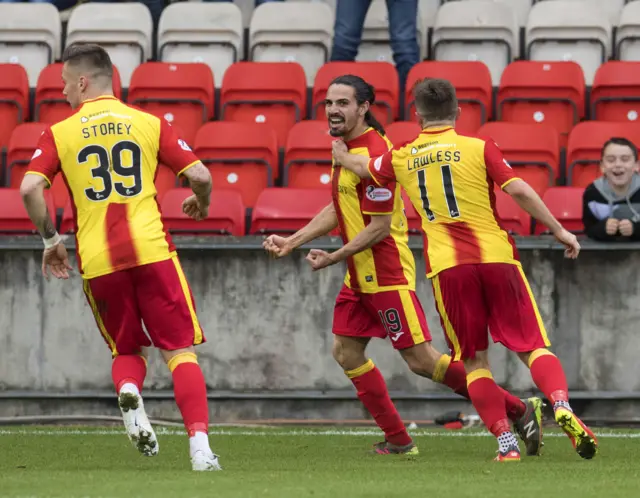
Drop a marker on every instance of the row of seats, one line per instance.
(275, 93)
(213, 33)
(244, 156)
(284, 211)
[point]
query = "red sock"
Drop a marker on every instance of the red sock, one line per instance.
(190, 391)
(515, 406)
(451, 374)
(548, 374)
(128, 368)
(372, 391)
(488, 399)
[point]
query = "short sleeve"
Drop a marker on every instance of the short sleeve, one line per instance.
(45, 160)
(377, 200)
(173, 151)
(381, 169)
(497, 166)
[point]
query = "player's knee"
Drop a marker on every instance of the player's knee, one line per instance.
(347, 358)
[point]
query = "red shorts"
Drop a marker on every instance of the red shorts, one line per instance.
(490, 298)
(396, 314)
(158, 295)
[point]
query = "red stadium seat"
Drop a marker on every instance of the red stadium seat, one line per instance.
(226, 214)
(615, 94)
(472, 80)
(265, 92)
(286, 210)
(532, 151)
(14, 219)
(402, 132)
(182, 93)
(240, 156)
(542, 92)
(307, 156)
(68, 222)
(165, 180)
(565, 203)
(382, 75)
(413, 218)
(51, 106)
(585, 147)
(14, 100)
(511, 217)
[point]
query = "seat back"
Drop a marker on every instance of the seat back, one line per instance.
(14, 219)
(307, 156)
(274, 93)
(286, 210)
(477, 30)
(615, 95)
(181, 93)
(511, 217)
(22, 145)
(125, 32)
(210, 33)
(381, 75)
(29, 36)
(164, 181)
(472, 80)
(14, 99)
(565, 203)
(292, 32)
(240, 156)
(402, 132)
(628, 33)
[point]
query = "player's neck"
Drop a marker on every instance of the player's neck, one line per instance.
(356, 132)
(437, 124)
(97, 94)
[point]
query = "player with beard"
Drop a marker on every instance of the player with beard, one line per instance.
(378, 298)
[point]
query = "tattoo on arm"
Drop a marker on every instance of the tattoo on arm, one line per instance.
(47, 229)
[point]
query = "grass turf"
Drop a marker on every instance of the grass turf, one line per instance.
(83, 462)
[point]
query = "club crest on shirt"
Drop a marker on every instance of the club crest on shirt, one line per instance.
(378, 194)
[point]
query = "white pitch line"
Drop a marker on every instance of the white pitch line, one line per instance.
(281, 433)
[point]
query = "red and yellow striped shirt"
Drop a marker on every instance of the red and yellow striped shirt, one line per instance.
(450, 180)
(108, 154)
(388, 265)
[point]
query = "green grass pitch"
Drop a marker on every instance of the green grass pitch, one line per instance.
(74, 462)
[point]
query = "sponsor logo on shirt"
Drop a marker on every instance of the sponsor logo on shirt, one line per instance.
(184, 145)
(377, 194)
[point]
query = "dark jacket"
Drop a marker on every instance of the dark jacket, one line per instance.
(600, 202)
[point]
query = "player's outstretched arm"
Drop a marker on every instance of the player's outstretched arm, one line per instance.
(197, 205)
(325, 221)
(353, 162)
(530, 201)
(374, 232)
(55, 255)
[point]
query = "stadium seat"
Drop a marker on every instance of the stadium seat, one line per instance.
(427, 10)
(565, 203)
(472, 81)
(14, 219)
(14, 100)
(628, 33)
(511, 217)
(382, 75)
(210, 33)
(51, 106)
(376, 41)
(164, 181)
(240, 156)
(125, 32)
(559, 31)
(226, 214)
(520, 7)
(292, 32)
(286, 210)
(22, 145)
(307, 156)
(181, 93)
(68, 220)
(246, 8)
(477, 30)
(542, 92)
(402, 132)
(532, 151)
(585, 147)
(29, 36)
(413, 218)
(615, 95)
(265, 92)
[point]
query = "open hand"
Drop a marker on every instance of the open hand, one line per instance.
(56, 259)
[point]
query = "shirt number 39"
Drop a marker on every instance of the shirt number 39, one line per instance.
(110, 162)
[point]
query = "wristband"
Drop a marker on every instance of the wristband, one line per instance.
(52, 241)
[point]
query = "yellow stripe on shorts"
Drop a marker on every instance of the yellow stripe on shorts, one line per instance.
(197, 331)
(448, 328)
(96, 314)
(543, 330)
(409, 308)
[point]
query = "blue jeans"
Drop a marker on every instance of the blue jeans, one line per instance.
(403, 32)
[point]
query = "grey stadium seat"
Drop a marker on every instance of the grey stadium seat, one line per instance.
(477, 30)
(521, 8)
(557, 31)
(613, 8)
(124, 31)
(292, 32)
(628, 34)
(29, 36)
(210, 33)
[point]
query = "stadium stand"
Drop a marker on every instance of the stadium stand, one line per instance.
(402, 131)
(615, 95)
(628, 33)
(566, 205)
(22, 145)
(512, 218)
(14, 100)
(14, 219)
(210, 33)
(307, 156)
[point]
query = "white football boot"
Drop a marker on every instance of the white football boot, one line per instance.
(202, 461)
(136, 423)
